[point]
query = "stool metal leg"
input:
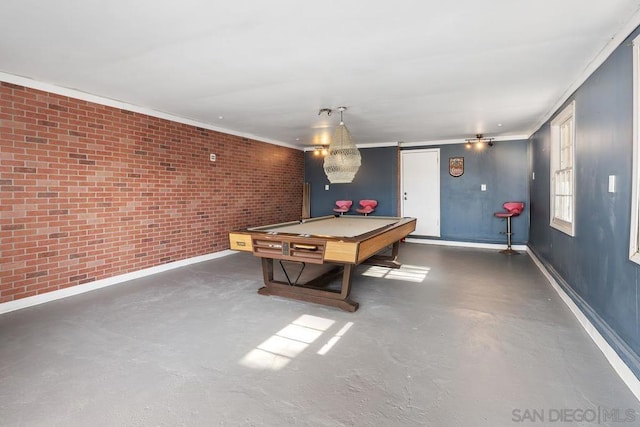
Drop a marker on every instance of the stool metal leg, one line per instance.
(509, 250)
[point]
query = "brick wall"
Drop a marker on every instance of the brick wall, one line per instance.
(89, 192)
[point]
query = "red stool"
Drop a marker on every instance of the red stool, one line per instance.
(511, 209)
(367, 206)
(343, 206)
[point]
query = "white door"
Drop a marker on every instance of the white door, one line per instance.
(420, 192)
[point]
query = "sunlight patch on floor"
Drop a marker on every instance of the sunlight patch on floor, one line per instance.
(334, 339)
(407, 273)
(279, 349)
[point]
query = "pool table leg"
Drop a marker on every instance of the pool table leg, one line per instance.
(389, 261)
(267, 270)
(315, 295)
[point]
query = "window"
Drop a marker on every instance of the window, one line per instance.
(634, 240)
(562, 170)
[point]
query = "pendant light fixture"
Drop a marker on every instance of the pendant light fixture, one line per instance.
(343, 160)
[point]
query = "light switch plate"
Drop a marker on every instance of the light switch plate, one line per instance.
(612, 183)
(483, 187)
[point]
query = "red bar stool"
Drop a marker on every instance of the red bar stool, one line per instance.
(367, 206)
(343, 206)
(511, 209)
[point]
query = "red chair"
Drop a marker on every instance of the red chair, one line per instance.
(511, 209)
(367, 206)
(343, 206)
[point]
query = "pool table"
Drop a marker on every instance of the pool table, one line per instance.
(344, 241)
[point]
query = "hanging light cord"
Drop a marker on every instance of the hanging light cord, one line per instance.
(341, 109)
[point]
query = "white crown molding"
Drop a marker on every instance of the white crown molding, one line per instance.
(86, 287)
(461, 141)
(364, 145)
(519, 137)
(84, 96)
(77, 94)
(377, 144)
(591, 67)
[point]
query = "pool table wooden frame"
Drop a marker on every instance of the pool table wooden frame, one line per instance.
(345, 252)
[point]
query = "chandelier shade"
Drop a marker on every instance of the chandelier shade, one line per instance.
(343, 160)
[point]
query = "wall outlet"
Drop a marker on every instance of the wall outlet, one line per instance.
(212, 157)
(483, 187)
(326, 187)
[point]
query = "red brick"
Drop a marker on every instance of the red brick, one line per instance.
(108, 191)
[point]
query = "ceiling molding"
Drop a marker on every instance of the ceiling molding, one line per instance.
(377, 144)
(460, 141)
(84, 96)
(600, 58)
(361, 145)
(429, 143)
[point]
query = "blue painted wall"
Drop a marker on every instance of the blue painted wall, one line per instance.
(466, 212)
(594, 265)
(377, 179)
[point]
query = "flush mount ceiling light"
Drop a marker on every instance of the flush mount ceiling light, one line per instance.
(343, 160)
(479, 139)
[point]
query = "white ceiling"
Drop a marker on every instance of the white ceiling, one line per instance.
(409, 71)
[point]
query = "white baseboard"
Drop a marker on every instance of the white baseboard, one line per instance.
(612, 357)
(86, 287)
(497, 246)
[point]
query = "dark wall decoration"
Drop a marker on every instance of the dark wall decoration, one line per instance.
(456, 166)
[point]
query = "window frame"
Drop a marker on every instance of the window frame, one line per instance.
(634, 232)
(564, 225)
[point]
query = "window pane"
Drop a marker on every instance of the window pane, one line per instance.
(566, 144)
(563, 200)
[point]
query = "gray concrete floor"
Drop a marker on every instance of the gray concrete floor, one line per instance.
(457, 337)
